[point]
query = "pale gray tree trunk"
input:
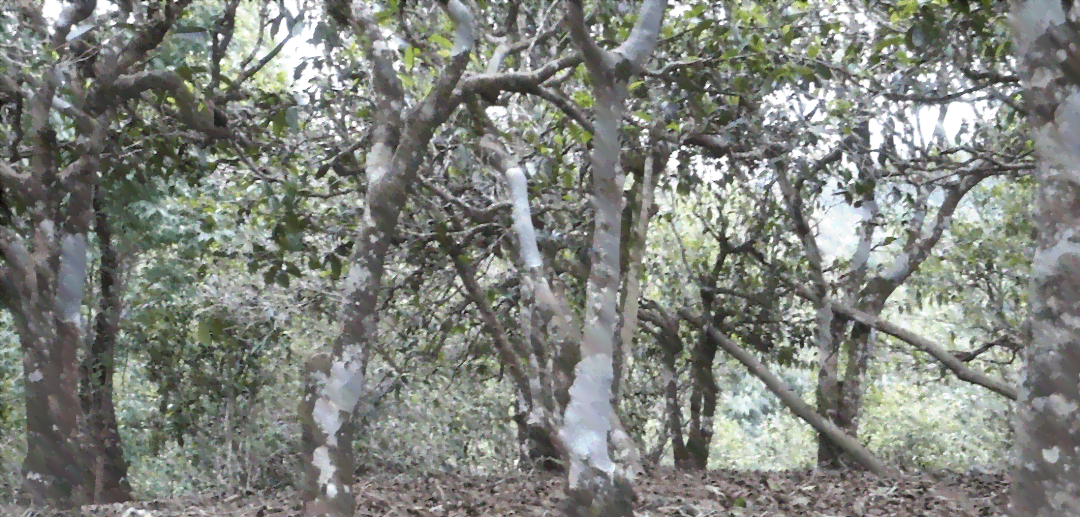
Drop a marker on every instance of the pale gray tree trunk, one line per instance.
(597, 485)
(839, 394)
(1045, 479)
(335, 381)
(656, 153)
(549, 373)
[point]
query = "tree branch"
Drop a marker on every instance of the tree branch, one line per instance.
(950, 361)
(788, 397)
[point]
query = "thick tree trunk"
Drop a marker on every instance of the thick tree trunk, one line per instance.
(52, 473)
(47, 319)
(42, 275)
(1045, 481)
(828, 390)
(48, 282)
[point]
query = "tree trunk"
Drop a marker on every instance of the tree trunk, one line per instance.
(47, 319)
(703, 400)
(841, 399)
(671, 346)
(597, 485)
(103, 448)
(1045, 481)
(334, 383)
(51, 473)
(845, 443)
(42, 275)
(47, 282)
(702, 409)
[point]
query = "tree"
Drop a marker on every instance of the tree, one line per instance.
(44, 242)
(1048, 422)
(400, 143)
(597, 486)
(96, 122)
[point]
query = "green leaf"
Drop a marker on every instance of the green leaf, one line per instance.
(335, 266)
(700, 28)
(279, 122)
(583, 98)
(204, 333)
(442, 41)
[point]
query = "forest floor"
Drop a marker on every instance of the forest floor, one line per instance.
(665, 492)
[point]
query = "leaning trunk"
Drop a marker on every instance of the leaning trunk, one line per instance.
(334, 382)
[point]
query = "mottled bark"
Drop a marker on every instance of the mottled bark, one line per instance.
(45, 262)
(657, 153)
(840, 398)
(49, 278)
(827, 393)
(1045, 481)
(541, 308)
(335, 384)
(535, 433)
(597, 485)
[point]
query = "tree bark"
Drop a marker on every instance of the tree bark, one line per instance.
(835, 435)
(104, 447)
(946, 358)
(1045, 481)
(335, 382)
(702, 403)
(43, 273)
(667, 333)
(597, 485)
